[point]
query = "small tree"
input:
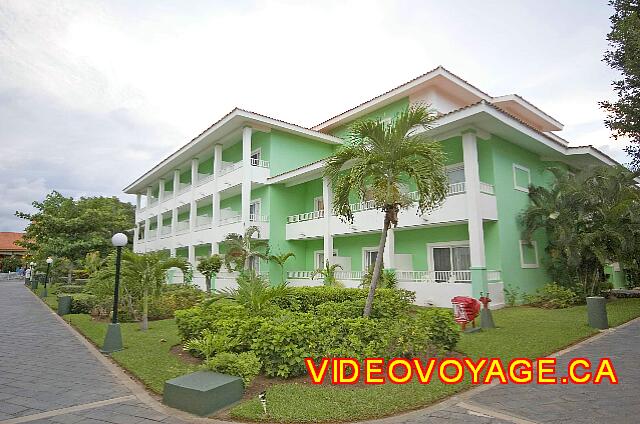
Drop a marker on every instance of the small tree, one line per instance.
(147, 273)
(379, 159)
(280, 260)
(242, 247)
(209, 267)
(328, 274)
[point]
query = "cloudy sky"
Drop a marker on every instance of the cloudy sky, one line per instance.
(93, 93)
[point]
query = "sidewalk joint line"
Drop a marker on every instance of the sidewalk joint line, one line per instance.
(67, 410)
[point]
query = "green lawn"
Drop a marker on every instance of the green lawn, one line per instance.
(146, 353)
(523, 331)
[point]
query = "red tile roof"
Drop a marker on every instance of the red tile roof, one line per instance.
(7, 242)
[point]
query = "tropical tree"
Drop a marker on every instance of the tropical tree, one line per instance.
(209, 267)
(253, 292)
(93, 262)
(146, 274)
(328, 274)
(590, 219)
(380, 158)
(240, 248)
(281, 259)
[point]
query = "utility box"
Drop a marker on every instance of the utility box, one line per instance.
(64, 305)
(202, 393)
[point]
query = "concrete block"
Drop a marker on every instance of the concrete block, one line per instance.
(202, 393)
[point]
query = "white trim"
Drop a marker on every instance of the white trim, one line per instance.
(258, 151)
(531, 108)
(515, 180)
(453, 243)
(364, 256)
(533, 244)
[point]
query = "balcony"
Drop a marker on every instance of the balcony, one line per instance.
(203, 222)
(152, 234)
(183, 187)
(405, 276)
(204, 178)
(182, 227)
(165, 231)
(230, 174)
(367, 218)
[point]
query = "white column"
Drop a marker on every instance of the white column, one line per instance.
(217, 164)
(172, 252)
(138, 201)
(246, 175)
(174, 221)
(390, 250)
(194, 171)
(176, 182)
(476, 232)
(136, 232)
(192, 255)
(147, 225)
(327, 200)
(161, 191)
(215, 248)
(193, 212)
(149, 194)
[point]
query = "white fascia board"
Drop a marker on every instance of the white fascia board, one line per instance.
(592, 151)
(398, 93)
(234, 120)
(530, 107)
(311, 169)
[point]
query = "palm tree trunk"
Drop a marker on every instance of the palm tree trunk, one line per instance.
(376, 268)
(144, 324)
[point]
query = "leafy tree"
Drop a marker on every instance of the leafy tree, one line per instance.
(328, 274)
(242, 247)
(10, 263)
(93, 262)
(281, 259)
(590, 219)
(383, 157)
(624, 56)
(209, 267)
(63, 227)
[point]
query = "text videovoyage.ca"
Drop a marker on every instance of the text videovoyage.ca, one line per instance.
(455, 370)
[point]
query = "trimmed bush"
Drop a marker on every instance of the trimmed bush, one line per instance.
(83, 303)
(305, 299)
(69, 288)
(173, 298)
(553, 296)
(245, 365)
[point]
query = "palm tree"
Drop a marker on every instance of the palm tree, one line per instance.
(240, 248)
(209, 267)
(328, 274)
(253, 292)
(146, 273)
(381, 157)
(280, 260)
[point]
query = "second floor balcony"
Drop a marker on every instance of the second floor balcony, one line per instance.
(367, 218)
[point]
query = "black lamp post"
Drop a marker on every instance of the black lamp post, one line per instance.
(113, 339)
(46, 277)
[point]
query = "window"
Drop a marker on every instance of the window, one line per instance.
(254, 264)
(450, 261)
(318, 204)
(319, 258)
(254, 210)
(528, 254)
(369, 256)
(255, 157)
(521, 178)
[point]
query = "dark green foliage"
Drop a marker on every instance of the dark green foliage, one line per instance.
(554, 296)
(173, 298)
(209, 267)
(10, 263)
(245, 365)
(624, 57)
(82, 303)
(305, 299)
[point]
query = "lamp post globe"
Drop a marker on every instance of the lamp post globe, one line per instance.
(113, 339)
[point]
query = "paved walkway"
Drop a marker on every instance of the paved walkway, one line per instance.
(532, 403)
(49, 375)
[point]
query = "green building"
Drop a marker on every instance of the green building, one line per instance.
(252, 170)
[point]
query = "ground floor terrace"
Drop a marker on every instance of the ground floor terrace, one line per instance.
(436, 262)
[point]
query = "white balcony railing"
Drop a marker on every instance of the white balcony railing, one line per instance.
(203, 221)
(234, 274)
(456, 188)
(406, 276)
(494, 275)
(486, 188)
(258, 218)
(299, 275)
(307, 216)
(152, 201)
(349, 275)
(228, 167)
(204, 178)
(259, 163)
(230, 220)
(182, 187)
(182, 226)
(165, 230)
(152, 234)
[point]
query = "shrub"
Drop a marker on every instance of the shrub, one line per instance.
(245, 365)
(83, 303)
(210, 343)
(553, 296)
(388, 279)
(173, 298)
(511, 295)
(439, 326)
(70, 288)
